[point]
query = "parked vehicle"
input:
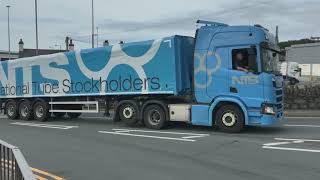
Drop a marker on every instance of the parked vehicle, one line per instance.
(291, 72)
(195, 80)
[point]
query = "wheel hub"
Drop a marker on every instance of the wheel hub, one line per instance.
(128, 112)
(39, 111)
(154, 117)
(10, 110)
(229, 119)
(24, 111)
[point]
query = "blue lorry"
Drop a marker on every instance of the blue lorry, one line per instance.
(226, 76)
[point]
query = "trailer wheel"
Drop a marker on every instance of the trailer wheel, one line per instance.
(229, 118)
(73, 115)
(41, 111)
(128, 112)
(59, 114)
(25, 110)
(154, 117)
(12, 109)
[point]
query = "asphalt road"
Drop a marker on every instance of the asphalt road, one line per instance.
(96, 148)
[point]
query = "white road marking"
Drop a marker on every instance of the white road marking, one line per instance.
(132, 132)
(51, 126)
(161, 132)
(276, 143)
(197, 136)
(297, 117)
(288, 141)
(291, 149)
(301, 125)
(147, 136)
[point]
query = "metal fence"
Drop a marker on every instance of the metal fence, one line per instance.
(13, 166)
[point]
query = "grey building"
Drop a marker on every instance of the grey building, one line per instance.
(307, 56)
(24, 52)
(304, 53)
(4, 55)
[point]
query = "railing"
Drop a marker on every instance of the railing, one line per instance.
(13, 166)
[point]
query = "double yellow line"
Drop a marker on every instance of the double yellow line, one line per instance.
(39, 174)
(44, 175)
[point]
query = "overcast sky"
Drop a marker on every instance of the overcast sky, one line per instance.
(132, 20)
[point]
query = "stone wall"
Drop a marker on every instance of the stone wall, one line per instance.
(302, 96)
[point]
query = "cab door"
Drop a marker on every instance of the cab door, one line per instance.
(246, 85)
(217, 72)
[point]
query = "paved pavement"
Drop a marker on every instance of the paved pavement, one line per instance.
(96, 148)
(303, 113)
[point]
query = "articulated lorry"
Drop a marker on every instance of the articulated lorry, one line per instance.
(194, 80)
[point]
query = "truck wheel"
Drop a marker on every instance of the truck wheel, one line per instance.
(73, 115)
(128, 112)
(229, 118)
(25, 110)
(41, 111)
(154, 117)
(12, 109)
(59, 114)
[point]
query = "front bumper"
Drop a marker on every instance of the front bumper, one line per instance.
(266, 120)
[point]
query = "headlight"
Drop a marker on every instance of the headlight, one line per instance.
(268, 109)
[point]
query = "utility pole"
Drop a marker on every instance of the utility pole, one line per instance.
(36, 13)
(92, 11)
(9, 43)
(277, 34)
(97, 37)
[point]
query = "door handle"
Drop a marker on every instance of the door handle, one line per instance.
(233, 90)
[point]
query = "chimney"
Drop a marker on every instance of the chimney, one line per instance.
(71, 46)
(106, 43)
(21, 45)
(67, 43)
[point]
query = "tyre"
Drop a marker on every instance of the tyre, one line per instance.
(59, 114)
(41, 111)
(12, 109)
(229, 118)
(73, 115)
(154, 117)
(25, 110)
(128, 113)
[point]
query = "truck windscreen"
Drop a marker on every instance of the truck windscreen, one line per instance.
(270, 59)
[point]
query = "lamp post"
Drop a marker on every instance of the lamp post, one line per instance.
(9, 43)
(92, 21)
(36, 13)
(97, 36)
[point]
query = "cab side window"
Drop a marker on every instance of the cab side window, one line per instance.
(244, 59)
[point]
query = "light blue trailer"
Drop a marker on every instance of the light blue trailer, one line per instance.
(176, 78)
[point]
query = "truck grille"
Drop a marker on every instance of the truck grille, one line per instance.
(279, 92)
(279, 102)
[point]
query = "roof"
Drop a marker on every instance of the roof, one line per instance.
(32, 52)
(304, 45)
(304, 53)
(7, 52)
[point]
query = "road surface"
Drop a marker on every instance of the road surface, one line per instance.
(92, 148)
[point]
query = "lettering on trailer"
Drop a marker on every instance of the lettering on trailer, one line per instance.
(58, 74)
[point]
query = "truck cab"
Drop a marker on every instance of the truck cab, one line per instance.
(231, 96)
